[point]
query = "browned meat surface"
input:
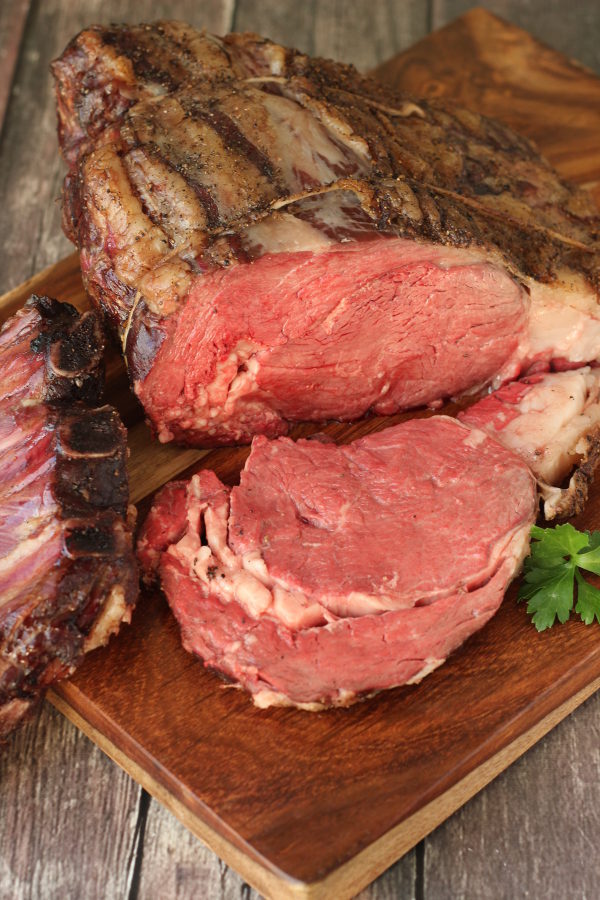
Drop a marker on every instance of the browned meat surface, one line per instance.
(67, 572)
(246, 215)
(331, 571)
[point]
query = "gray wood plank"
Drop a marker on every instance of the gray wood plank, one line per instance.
(12, 24)
(573, 28)
(175, 863)
(366, 34)
(533, 831)
(337, 28)
(290, 23)
(68, 821)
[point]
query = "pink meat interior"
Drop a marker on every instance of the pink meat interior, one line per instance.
(379, 324)
(378, 517)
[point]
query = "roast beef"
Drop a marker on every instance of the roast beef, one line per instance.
(279, 238)
(332, 572)
(67, 570)
(552, 421)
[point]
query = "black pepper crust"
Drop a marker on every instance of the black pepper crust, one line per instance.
(164, 97)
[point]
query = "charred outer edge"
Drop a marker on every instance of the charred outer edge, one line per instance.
(98, 568)
(571, 500)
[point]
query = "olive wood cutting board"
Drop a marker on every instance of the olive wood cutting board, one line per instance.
(317, 805)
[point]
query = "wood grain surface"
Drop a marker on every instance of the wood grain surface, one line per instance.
(502, 844)
(485, 63)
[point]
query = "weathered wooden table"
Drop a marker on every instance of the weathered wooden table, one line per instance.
(71, 823)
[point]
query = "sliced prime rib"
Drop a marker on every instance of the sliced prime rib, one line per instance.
(332, 572)
(278, 238)
(552, 420)
(68, 575)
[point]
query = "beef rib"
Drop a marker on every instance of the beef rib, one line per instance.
(68, 576)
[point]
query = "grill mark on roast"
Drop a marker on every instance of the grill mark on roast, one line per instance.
(184, 228)
(333, 84)
(149, 54)
(234, 139)
(179, 162)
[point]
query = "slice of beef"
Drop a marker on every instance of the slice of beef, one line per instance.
(552, 421)
(68, 576)
(278, 238)
(332, 572)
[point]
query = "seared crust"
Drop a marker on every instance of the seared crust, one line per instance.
(563, 503)
(73, 346)
(219, 80)
(46, 625)
(178, 141)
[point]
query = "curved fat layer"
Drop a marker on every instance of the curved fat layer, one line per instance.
(552, 421)
(372, 526)
(336, 664)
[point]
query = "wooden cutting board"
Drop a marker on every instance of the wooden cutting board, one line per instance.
(317, 805)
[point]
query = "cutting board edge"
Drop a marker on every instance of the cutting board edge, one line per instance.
(355, 874)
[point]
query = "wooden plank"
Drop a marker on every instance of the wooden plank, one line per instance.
(68, 816)
(12, 24)
(337, 28)
(283, 22)
(175, 864)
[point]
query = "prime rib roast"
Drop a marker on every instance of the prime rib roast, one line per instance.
(278, 238)
(68, 576)
(332, 572)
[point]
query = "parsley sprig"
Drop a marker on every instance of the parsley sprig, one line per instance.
(557, 557)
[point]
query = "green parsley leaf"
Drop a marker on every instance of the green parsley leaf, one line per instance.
(594, 539)
(552, 571)
(588, 600)
(562, 540)
(552, 598)
(590, 561)
(540, 579)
